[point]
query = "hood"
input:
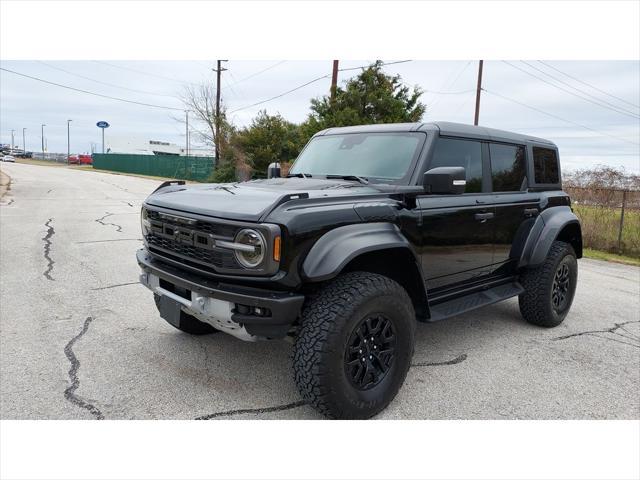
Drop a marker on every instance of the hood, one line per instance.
(250, 200)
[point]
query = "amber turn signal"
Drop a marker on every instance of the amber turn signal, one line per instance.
(276, 248)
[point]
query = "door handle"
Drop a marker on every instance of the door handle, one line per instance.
(483, 217)
(530, 212)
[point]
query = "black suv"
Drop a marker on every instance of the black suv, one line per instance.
(374, 229)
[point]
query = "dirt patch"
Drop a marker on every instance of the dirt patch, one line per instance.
(5, 184)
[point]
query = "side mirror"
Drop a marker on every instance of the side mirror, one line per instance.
(273, 171)
(445, 180)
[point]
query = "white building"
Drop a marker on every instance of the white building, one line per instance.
(143, 146)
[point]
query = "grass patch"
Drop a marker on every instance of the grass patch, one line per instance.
(610, 257)
(44, 163)
(600, 226)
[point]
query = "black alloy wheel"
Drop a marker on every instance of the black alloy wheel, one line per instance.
(560, 287)
(370, 352)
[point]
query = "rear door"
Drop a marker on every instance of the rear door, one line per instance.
(516, 209)
(457, 230)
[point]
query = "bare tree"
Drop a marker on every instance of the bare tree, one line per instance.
(200, 101)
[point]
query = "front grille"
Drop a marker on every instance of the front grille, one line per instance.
(215, 258)
(190, 239)
(217, 229)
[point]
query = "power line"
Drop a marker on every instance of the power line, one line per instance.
(141, 72)
(588, 84)
(305, 84)
(257, 73)
(577, 89)
(383, 65)
(448, 83)
(622, 112)
(559, 118)
(281, 95)
(104, 83)
(91, 93)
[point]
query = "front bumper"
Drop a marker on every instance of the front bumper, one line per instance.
(220, 304)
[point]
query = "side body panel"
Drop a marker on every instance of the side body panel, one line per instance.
(456, 243)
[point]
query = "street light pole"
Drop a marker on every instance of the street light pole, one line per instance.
(69, 141)
(12, 137)
(24, 144)
(42, 133)
(186, 112)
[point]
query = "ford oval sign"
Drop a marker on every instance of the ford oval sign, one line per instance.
(102, 124)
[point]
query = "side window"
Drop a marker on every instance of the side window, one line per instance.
(451, 152)
(545, 165)
(508, 169)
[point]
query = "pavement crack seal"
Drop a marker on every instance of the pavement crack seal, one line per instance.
(69, 393)
(102, 222)
(116, 285)
(289, 406)
(254, 411)
(615, 330)
(47, 249)
(458, 359)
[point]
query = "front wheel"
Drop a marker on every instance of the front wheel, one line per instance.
(355, 345)
(550, 287)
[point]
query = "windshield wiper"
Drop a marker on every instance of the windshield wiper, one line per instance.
(356, 178)
(299, 175)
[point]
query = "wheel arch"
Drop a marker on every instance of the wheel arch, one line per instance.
(556, 223)
(371, 247)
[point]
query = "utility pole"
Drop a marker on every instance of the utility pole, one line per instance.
(12, 136)
(24, 144)
(186, 133)
(334, 80)
(478, 90)
(218, 71)
(42, 133)
(69, 141)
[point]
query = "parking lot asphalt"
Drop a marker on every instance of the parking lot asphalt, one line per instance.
(80, 338)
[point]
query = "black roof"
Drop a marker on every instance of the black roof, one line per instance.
(445, 128)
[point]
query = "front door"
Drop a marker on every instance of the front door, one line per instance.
(457, 238)
(457, 230)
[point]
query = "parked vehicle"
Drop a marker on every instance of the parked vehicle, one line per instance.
(84, 159)
(8, 158)
(73, 160)
(375, 229)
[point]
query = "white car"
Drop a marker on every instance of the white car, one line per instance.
(8, 158)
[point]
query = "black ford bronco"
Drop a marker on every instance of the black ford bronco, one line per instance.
(374, 229)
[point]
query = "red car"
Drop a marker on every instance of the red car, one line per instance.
(73, 160)
(85, 159)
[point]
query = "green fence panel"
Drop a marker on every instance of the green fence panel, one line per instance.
(170, 166)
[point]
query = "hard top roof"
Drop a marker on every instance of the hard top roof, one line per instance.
(445, 128)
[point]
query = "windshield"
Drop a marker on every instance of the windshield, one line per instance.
(385, 156)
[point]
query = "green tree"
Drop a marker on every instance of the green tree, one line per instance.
(269, 138)
(371, 97)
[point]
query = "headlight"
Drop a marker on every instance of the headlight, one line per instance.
(253, 255)
(145, 225)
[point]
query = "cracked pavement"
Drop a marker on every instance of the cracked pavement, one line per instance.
(90, 344)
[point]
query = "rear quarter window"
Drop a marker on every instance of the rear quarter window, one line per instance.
(545, 165)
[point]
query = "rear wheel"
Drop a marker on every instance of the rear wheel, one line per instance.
(550, 287)
(188, 323)
(355, 345)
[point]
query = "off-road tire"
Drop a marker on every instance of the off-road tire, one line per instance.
(536, 305)
(188, 323)
(330, 320)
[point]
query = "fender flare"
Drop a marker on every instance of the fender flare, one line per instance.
(544, 232)
(339, 246)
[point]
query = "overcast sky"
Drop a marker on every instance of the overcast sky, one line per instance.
(592, 122)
